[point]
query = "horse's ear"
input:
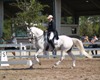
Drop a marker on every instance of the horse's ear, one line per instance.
(28, 28)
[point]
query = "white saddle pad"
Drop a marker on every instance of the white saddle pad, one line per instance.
(55, 41)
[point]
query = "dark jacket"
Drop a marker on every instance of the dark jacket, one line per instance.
(51, 26)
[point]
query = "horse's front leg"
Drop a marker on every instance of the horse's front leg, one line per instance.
(36, 60)
(61, 59)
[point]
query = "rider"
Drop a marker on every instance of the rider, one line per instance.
(51, 31)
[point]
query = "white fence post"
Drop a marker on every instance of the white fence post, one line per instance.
(20, 49)
(24, 52)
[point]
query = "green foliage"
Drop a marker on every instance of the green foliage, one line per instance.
(31, 12)
(7, 29)
(90, 25)
(69, 20)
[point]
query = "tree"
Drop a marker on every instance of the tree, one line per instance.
(85, 27)
(31, 12)
(89, 25)
(95, 21)
(7, 29)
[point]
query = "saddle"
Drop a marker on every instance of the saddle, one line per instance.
(53, 42)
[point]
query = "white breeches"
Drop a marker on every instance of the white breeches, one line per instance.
(51, 36)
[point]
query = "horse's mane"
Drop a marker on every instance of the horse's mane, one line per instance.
(37, 30)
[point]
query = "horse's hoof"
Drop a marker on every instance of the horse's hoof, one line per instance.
(39, 63)
(72, 67)
(31, 67)
(54, 66)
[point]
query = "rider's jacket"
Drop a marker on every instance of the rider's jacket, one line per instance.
(51, 27)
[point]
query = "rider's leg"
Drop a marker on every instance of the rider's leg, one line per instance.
(51, 40)
(46, 39)
(47, 47)
(56, 35)
(52, 44)
(53, 48)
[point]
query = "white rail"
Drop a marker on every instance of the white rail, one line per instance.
(23, 47)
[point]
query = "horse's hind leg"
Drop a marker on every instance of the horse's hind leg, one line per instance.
(73, 58)
(61, 59)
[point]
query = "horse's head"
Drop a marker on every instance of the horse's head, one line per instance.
(30, 33)
(34, 32)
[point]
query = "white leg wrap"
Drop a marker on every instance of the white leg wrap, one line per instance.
(74, 63)
(36, 59)
(73, 58)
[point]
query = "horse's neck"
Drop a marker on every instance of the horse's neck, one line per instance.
(38, 31)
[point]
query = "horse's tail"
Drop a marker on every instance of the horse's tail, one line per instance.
(78, 43)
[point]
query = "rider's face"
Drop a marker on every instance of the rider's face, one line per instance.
(49, 19)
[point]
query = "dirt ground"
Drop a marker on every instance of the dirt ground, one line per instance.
(86, 69)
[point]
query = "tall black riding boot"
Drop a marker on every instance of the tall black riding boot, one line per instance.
(54, 50)
(47, 47)
(52, 44)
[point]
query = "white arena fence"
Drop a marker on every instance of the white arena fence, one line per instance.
(4, 54)
(24, 50)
